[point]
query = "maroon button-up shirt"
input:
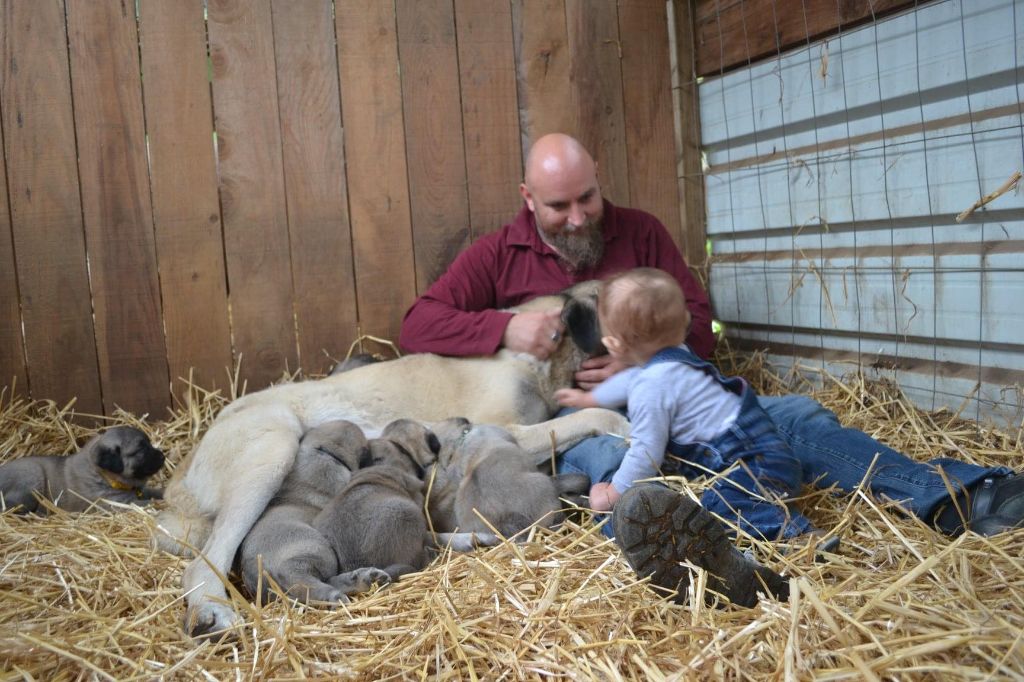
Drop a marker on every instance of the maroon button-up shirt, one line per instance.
(460, 313)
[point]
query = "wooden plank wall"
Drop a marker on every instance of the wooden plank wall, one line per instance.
(204, 183)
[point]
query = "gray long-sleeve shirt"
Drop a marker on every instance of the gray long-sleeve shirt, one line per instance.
(667, 400)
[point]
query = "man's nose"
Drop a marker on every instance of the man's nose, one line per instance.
(577, 216)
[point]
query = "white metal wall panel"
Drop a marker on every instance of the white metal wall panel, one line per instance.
(835, 174)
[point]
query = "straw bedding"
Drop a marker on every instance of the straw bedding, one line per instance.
(85, 597)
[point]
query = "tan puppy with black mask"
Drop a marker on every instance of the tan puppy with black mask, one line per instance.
(283, 541)
(113, 465)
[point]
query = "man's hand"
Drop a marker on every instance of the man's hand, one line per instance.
(593, 371)
(603, 497)
(536, 333)
(574, 397)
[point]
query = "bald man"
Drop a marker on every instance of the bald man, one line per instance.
(565, 233)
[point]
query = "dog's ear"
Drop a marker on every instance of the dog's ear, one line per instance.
(433, 443)
(580, 318)
(110, 459)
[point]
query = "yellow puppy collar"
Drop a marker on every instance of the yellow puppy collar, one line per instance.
(119, 485)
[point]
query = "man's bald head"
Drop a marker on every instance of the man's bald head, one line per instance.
(554, 156)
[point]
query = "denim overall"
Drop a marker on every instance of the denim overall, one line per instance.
(767, 474)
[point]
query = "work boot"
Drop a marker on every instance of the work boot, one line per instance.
(997, 505)
(659, 529)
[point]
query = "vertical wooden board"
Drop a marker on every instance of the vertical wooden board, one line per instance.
(46, 211)
(375, 146)
(597, 90)
(116, 206)
(12, 349)
(252, 196)
(691, 182)
(490, 120)
(433, 125)
(315, 185)
(647, 90)
(183, 174)
(543, 67)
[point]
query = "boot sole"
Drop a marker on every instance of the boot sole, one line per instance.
(658, 530)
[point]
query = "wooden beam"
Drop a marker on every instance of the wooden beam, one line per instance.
(733, 33)
(691, 173)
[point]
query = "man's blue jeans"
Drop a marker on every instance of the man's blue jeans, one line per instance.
(829, 453)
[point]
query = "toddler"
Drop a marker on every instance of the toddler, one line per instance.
(680, 404)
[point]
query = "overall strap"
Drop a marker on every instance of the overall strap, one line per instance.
(684, 355)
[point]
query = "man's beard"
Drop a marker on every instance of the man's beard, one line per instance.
(581, 249)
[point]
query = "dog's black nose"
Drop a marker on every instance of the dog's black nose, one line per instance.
(152, 462)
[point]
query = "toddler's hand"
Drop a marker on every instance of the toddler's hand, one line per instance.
(573, 397)
(603, 497)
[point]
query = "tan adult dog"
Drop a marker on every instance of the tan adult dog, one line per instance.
(113, 465)
(222, 488)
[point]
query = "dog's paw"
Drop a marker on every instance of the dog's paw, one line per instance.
(210, 620)
(603, 421)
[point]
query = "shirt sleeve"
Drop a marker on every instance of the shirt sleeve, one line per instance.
(649, 421)
(667, 257)
(614, 391)
(456, 315)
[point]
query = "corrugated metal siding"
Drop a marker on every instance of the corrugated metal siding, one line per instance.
(835, 176)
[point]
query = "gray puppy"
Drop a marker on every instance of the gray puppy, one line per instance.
(379, 519)
(113, 465)
(283, 541)
(407, 445)
(482, 471)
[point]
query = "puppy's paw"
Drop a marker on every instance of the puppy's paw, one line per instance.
(210, 620)
(359, 580)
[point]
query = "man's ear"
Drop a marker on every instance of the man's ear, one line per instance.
(524, 192)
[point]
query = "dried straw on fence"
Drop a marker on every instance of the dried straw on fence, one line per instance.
(84, 596)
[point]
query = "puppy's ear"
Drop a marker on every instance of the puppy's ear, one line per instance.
(580, 318)
(433, 443)
(110, 459)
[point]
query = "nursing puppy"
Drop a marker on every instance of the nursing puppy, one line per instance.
(283, 542)
(378, 520)
(483, 472)
(405, 444)
(113, 465)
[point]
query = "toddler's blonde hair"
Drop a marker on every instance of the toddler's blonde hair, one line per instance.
(644, 308)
